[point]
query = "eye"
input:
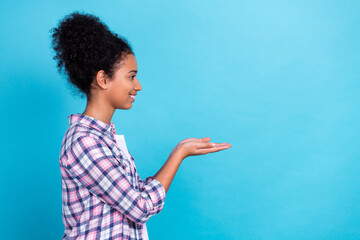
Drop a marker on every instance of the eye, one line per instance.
(132, 77)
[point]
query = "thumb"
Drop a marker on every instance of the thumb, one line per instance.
(205, 139)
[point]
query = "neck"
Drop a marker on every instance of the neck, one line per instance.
(100, 110)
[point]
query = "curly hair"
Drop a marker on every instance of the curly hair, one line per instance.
(84, 45)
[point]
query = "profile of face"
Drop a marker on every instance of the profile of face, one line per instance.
(124, 85)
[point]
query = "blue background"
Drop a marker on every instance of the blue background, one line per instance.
(279, 80)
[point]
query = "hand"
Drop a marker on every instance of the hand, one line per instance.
(199, 146)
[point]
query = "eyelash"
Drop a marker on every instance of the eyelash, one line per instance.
(132, 77)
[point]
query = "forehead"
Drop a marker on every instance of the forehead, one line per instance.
(129, 63)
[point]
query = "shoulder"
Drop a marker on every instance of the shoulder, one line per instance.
(80, 131)
(79, 138)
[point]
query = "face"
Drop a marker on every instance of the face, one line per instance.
(124, 84)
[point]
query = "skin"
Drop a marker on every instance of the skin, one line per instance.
(109, 94)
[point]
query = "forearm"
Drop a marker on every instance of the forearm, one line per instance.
(167, 172)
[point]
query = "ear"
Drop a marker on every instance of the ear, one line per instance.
(102, 79)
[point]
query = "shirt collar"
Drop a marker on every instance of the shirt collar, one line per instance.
(93, 123)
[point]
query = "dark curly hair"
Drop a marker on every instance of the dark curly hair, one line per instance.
(84, 45)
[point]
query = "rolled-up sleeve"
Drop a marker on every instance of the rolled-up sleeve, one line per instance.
(143, 183)
(91, 161)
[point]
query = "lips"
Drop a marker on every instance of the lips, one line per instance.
(132, 96)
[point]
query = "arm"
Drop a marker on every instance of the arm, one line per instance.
(165, 175)
(91, 162)
(167, 172)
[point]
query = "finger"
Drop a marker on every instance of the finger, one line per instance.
(205, 139)
(223, 144)
(213, 145)
(205, 145)
(196, 140)
(210, 150)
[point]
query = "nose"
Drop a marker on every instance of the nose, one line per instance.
(137, 85)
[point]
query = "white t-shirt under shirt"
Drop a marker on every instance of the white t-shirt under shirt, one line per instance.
(120, 139)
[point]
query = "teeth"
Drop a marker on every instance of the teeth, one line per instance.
(132, 96)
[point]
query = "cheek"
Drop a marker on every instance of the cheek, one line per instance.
(120, 95)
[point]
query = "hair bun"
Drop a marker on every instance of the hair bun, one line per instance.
(77, 34)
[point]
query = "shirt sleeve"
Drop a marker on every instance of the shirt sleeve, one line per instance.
(146, 181)
(93, 164)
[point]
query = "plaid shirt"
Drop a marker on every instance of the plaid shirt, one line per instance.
(103, 196)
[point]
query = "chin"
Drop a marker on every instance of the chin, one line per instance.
(130, 106)
(124, 108)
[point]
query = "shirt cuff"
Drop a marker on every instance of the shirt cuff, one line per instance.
(157, 194)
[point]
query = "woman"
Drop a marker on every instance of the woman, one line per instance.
(103, 195)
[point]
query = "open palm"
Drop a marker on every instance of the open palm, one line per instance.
(199, 146)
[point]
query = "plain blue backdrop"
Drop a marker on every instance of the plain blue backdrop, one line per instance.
(279, 80)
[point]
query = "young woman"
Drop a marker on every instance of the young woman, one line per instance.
(103, 197)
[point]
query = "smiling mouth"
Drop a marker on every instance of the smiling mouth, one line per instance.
(132, 97)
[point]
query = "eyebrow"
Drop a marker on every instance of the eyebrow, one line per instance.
(135, 71)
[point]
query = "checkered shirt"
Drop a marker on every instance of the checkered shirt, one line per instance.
(103, 196)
